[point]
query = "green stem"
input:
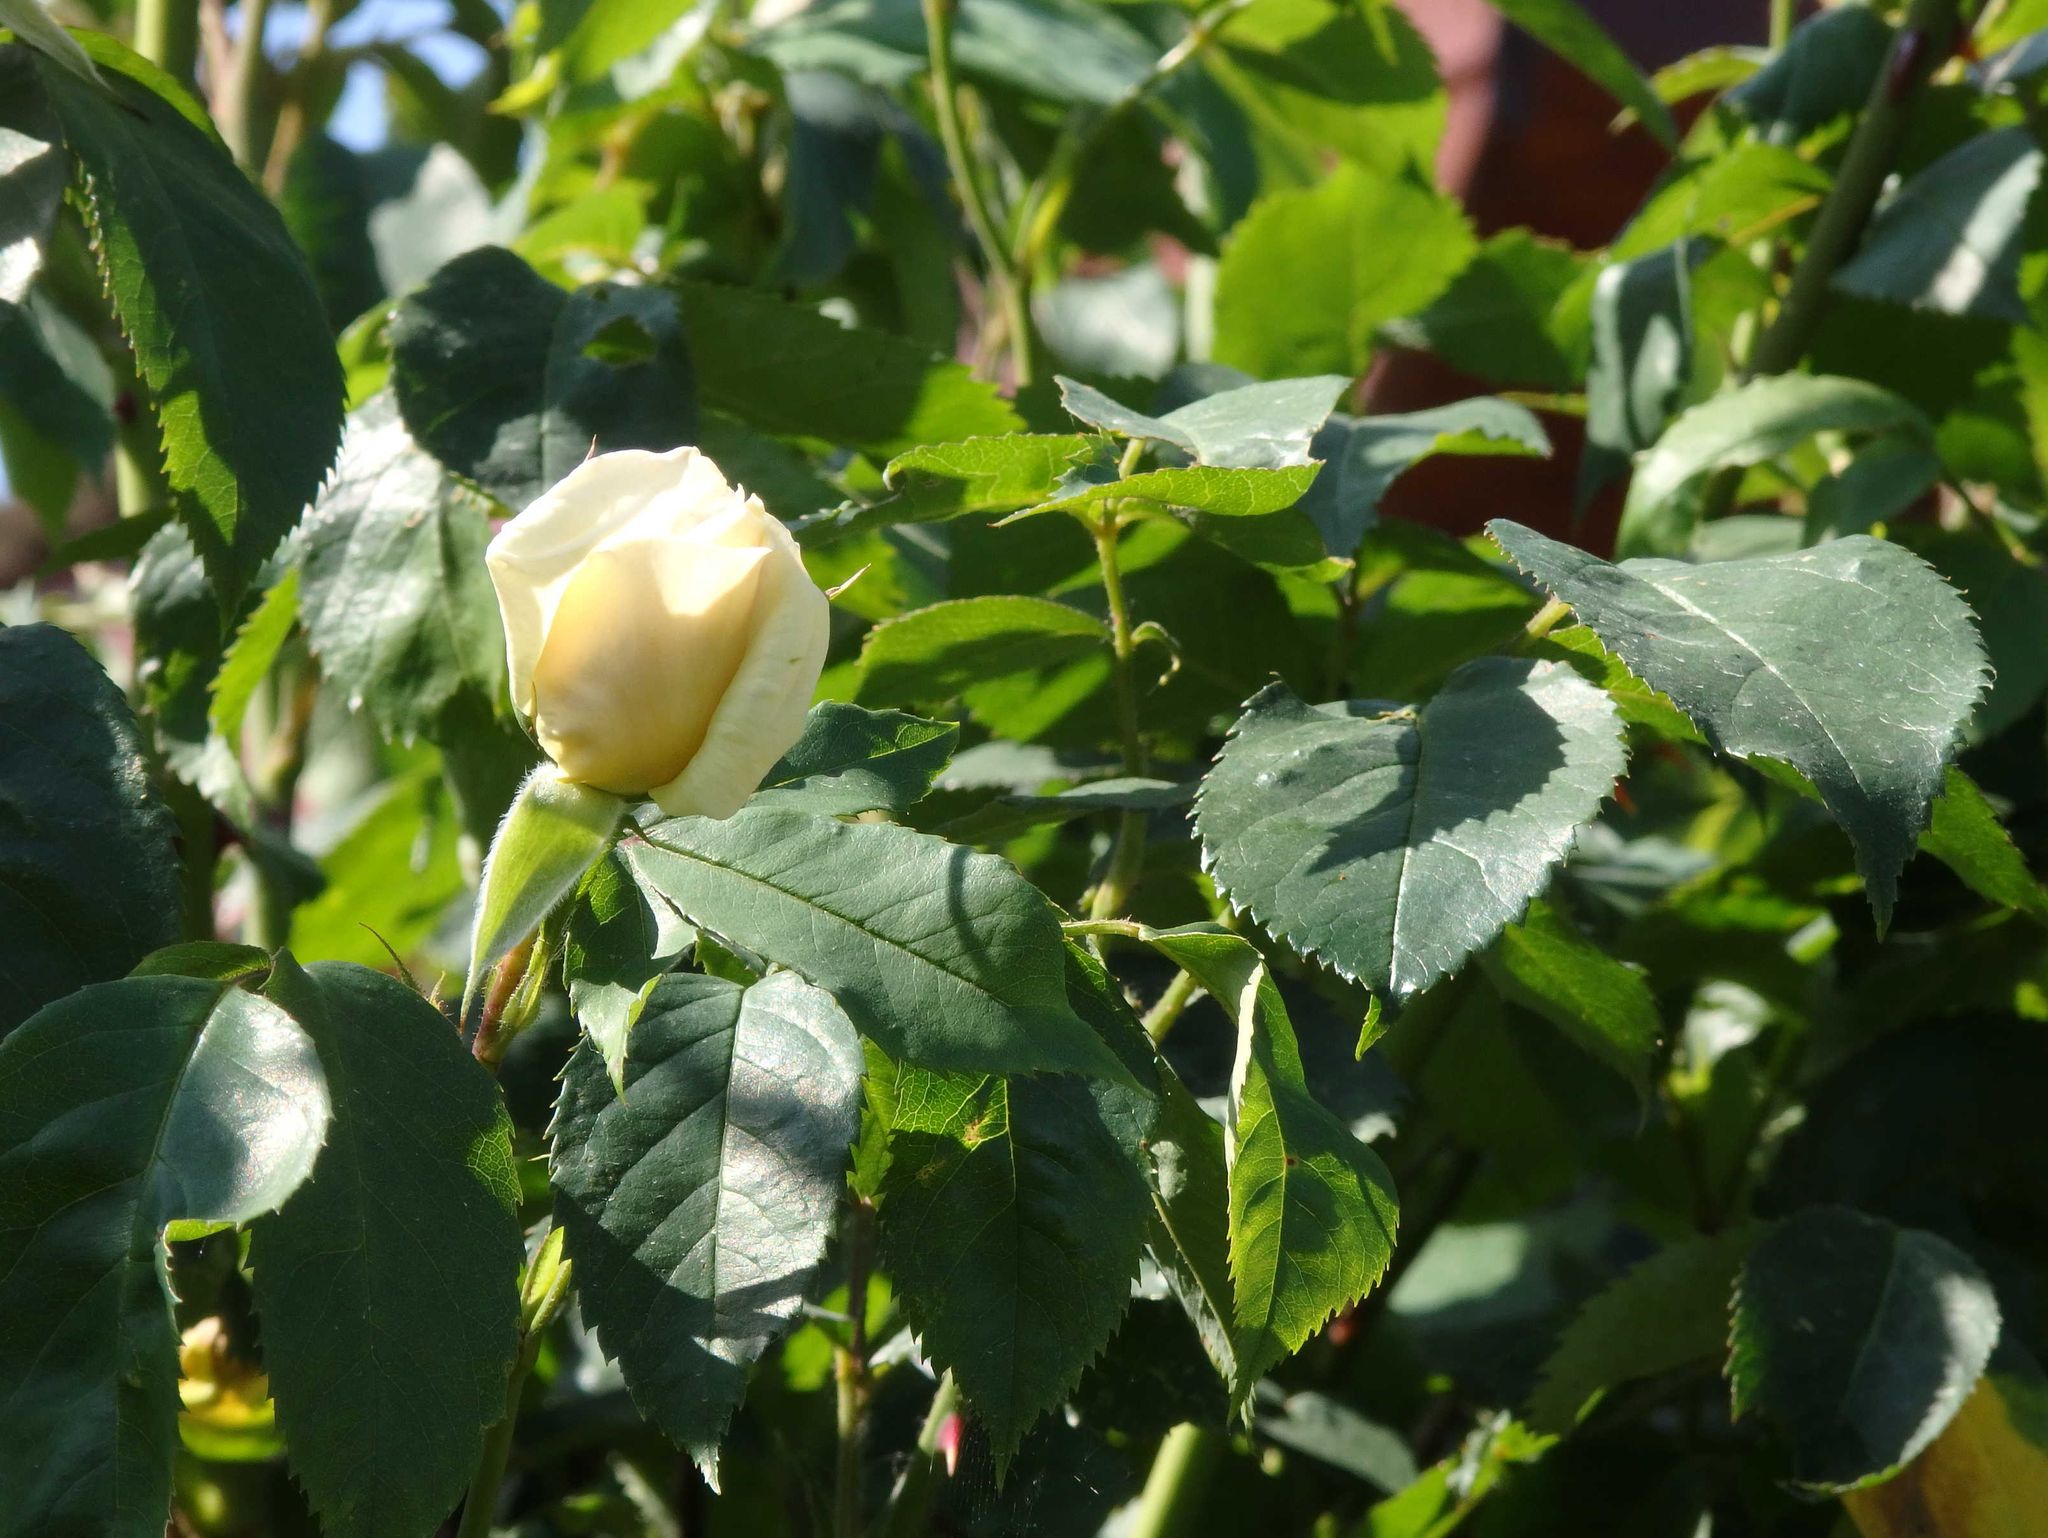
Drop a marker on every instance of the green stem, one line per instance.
(542, 1294)
(851, 1369)
(292, 114)
(1922, 42)
(238, 103)
(910, 1503)
(1127, 852)
(1167, 1009)
(167, 34)
(1782, 15)
(938, 26)
(1178, 1484)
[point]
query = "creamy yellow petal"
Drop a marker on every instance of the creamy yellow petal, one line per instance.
(534, 556)
(763, 710)
(646, 640)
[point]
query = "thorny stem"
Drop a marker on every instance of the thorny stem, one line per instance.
(938, 26)
(851, 1369)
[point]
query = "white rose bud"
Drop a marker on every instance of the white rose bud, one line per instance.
(663, 637)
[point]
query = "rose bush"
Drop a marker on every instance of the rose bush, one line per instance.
(662, 636)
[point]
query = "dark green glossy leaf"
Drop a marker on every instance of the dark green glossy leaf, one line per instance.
(512, 383)
(616, 942)
(124, 1108)
(398, 606)
(947, 958)
(1642, 358)
(1664, 1313)
(33, 173)
(88, 875)
(1740, 427)
(1504, 319)
(1824, 72)
(1964, 833)
(1009, 815)
(388, 1286)
(698, 1202)
(851, 760)
(1950, 239)
(1011, 1222)
(1602, 1004)
(1770, 657)
(1391, 844)
(786, 369)
(229, 333)
(1860, 1340)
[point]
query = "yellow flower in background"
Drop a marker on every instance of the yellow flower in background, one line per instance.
(663, 637)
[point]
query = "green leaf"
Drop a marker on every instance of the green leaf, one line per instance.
(1251, 427)
(32, 168)
(388, 1286)
(391, 878)
(88, 874)
(616, 943)
(556, 830)
(1188, 1173)
(398, 604)
(1824, 71)
(1859, 1339)
(228, 330)
(1311, 274)
(1950, 239)
(1567, 31)
(248, 661)
(1770, 657)
(851, 760)
(1312, 1209)
(1731, 196)
(1392, 844)
(1502, 318)
(1602, 1004)
(947, 958)
(512, 383)
(1964, 833)
(1216, 491)
(979, 475)
(1363, 456)
(935, 654)
(1744, 426)
(1317, 75)
(124, 1108)
(1664, 1313)
(783, 368)
(698, 1203)
(1012, 1224)
(1009, 815)
(1642, 358)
